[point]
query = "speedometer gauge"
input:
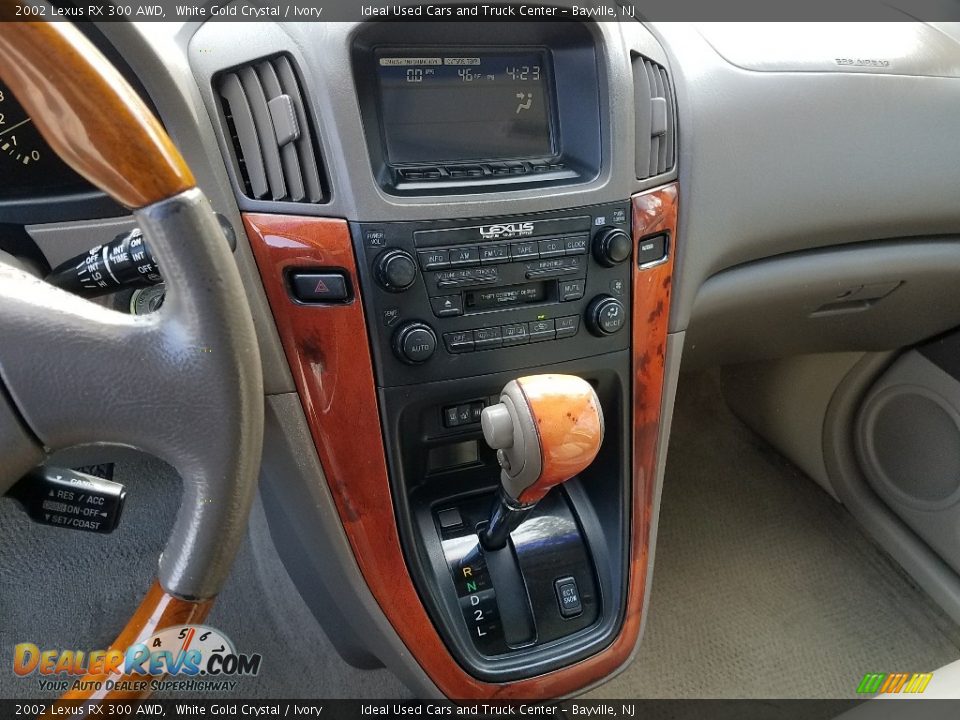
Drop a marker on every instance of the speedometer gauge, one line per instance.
(27, 164)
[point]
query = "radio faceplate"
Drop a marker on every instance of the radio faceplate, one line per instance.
(458, 298)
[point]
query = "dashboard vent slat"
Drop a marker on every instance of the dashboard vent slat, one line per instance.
(273, 149)
(655, 140)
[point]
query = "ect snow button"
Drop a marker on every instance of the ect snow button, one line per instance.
(568, 595)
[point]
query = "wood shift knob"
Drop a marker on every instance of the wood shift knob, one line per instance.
(546, 429)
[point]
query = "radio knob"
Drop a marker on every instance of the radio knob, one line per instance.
(606, 315)
(414, 342)
(396, 270)
(611, 246)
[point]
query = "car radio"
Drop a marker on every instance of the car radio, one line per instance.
(470, 297)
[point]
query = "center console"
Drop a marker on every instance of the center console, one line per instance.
(493, 232)
(456, 310)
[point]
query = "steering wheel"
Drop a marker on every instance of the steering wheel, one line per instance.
(183, 383)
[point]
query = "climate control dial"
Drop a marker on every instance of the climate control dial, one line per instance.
(606, 315)
(414, 342)
(396, 270)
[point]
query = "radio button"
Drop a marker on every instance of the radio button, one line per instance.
(571, 290)
(460, 278)
(543, 330)
(551, 248)
(567, 326)
(485, 338)
(516, 334)
(464, 256)
(490, 254)
(576, 246)
(525, 250)
(434, 259)
(447, 305)
(459, 342)
(554, 267)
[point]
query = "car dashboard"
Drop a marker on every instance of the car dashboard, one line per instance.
(425, 211)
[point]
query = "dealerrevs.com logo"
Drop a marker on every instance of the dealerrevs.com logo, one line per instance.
(193, 657)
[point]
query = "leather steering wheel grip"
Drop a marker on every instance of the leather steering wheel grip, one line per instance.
(183, 383)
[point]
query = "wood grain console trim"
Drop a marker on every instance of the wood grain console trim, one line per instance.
(329, 355)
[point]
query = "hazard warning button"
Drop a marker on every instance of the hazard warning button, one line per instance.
(315, 287)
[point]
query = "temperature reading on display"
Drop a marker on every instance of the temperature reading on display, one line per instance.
(479, 105)
(523, 72)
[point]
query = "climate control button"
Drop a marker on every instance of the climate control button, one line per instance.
(414, 343)
(606, 315)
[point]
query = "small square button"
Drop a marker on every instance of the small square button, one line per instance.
(449, 518)
(568, 596)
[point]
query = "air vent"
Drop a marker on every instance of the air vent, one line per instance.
(274, 151)
(656, 122)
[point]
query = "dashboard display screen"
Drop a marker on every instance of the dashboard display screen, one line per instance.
(460, 105)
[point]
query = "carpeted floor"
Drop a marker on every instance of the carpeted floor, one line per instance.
(66, 589)
(763, 585)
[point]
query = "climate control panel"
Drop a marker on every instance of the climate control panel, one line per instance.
(530, 289)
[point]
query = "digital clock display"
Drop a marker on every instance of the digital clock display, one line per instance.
(465, 105)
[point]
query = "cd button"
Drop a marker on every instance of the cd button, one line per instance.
(551, 248)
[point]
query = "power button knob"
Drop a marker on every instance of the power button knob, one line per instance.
(414, 343)
(606, 315)
(396, 270)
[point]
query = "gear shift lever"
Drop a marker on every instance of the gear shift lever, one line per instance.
(545, 429)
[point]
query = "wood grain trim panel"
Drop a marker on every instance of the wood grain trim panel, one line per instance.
(157, 611)
(89, 114)
(329, 355)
